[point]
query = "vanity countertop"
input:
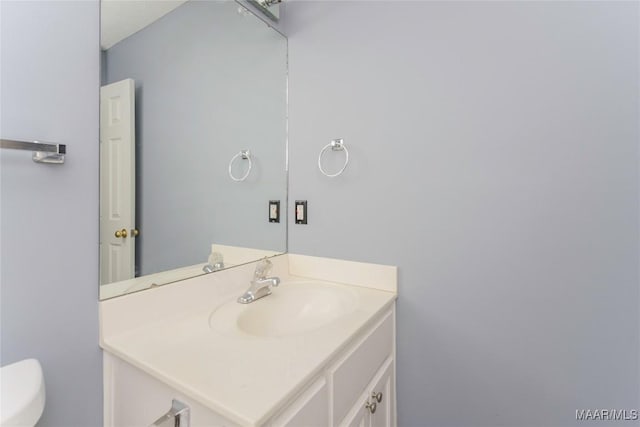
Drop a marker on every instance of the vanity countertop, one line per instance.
(242, 377)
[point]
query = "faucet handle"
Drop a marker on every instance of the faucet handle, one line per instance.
(262, 269)
(216, 259)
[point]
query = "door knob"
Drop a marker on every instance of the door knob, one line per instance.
(371, 407)
(134, 232)
(121, 233)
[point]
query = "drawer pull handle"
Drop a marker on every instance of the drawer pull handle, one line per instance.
(178, 416)
(377, 396)
(371, 407)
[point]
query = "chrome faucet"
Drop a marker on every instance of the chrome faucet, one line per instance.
(216, 262)
(261, 284)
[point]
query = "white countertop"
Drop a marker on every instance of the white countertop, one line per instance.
(244, 378)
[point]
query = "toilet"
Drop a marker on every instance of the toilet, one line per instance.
(22, 394)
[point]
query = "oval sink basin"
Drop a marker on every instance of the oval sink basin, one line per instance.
(293, 308)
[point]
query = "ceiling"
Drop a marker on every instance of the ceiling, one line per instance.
(122, 18)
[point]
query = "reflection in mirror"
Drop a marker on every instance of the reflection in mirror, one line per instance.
(187, 86)
(269, 8)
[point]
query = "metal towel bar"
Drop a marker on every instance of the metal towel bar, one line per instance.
(178, 416)
(43, 152)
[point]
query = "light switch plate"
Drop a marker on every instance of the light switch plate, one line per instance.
(301, 213)
(274, 210)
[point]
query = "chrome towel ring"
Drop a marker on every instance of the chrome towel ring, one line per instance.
(335, 145)
(244, 155)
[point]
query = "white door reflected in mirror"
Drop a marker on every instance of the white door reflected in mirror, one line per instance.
(117, 181)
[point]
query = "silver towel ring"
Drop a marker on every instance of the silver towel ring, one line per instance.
(335, 145)
(245, 155)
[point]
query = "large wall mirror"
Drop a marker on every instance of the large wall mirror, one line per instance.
(193, 110)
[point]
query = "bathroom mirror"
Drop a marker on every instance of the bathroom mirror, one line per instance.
(192, 141)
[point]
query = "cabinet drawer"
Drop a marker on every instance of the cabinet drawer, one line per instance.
(351, 375)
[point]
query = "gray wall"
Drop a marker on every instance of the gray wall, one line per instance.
(494, 159)
(209, 82)
(48, 224)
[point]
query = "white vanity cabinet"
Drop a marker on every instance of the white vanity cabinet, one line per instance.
(355, 388)
(348, 384)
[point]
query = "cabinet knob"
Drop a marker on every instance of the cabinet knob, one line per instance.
(134, 232)
(377, 396)
(371, 407)
(121, 233)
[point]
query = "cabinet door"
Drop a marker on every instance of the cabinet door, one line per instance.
(359, 418)
(369, 412)
(383, 388)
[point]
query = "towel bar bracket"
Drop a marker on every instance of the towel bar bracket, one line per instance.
(43, 152)
(50, 158)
